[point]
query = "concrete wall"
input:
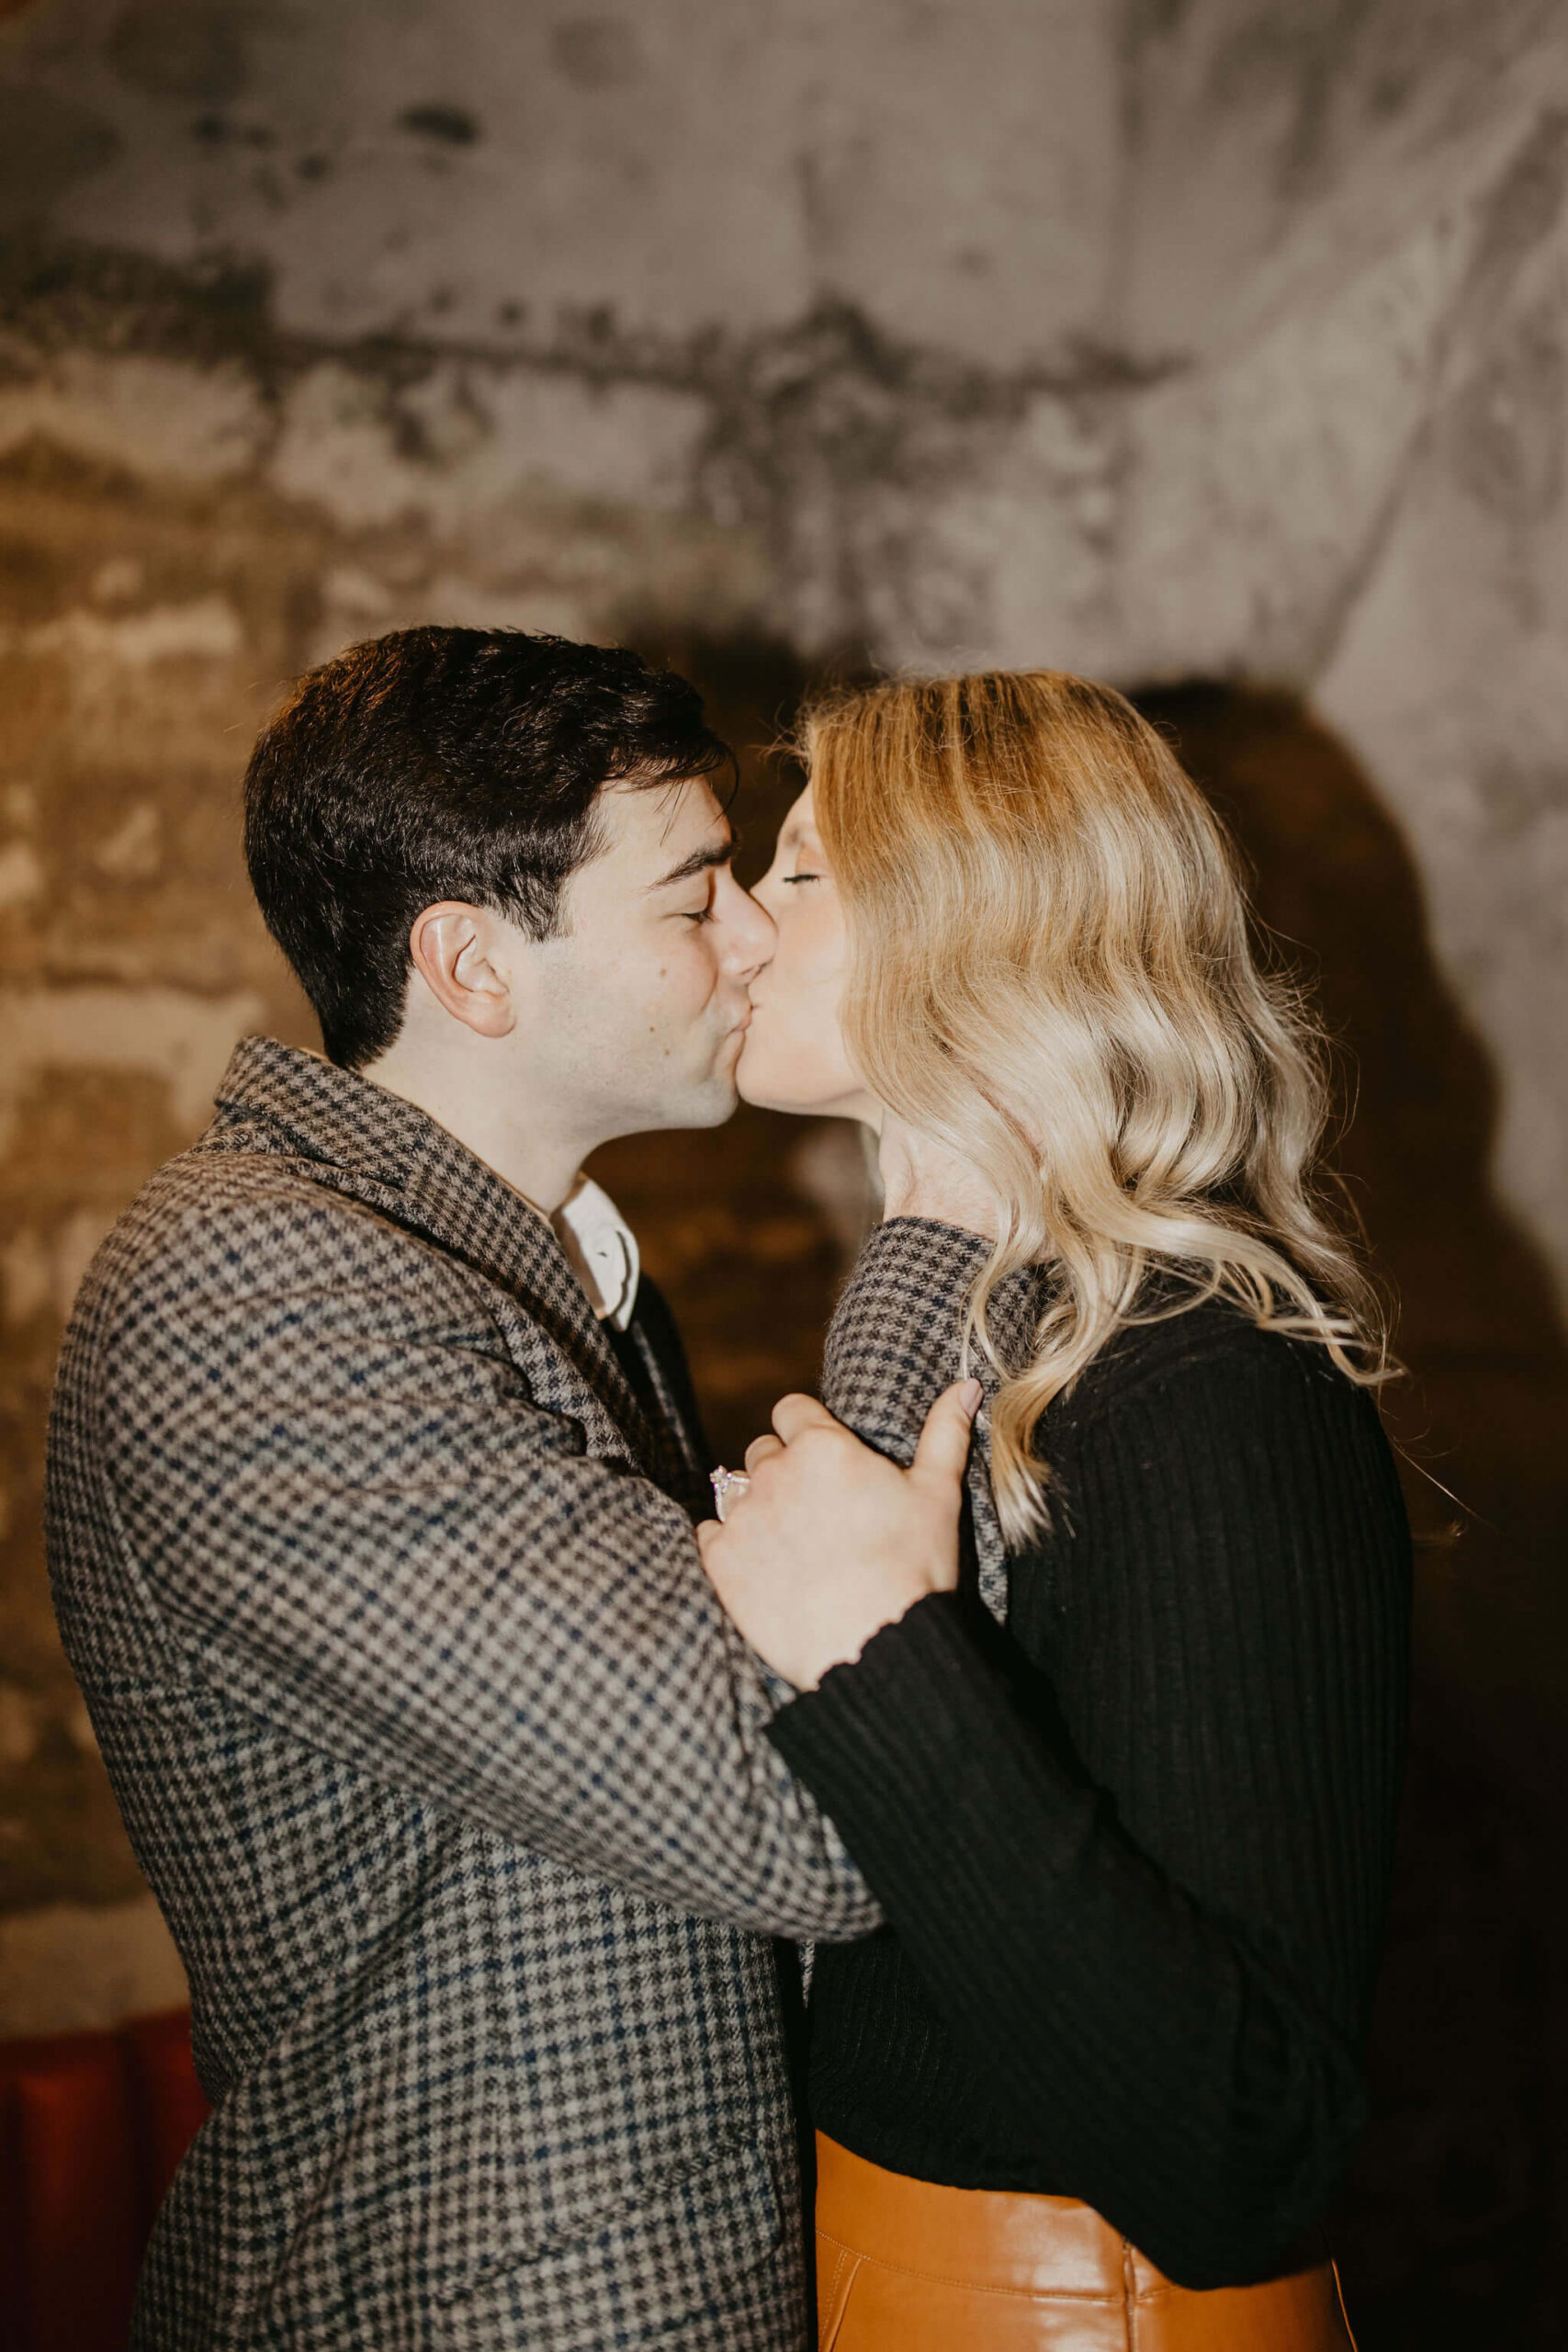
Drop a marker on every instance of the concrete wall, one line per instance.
(1184, 337)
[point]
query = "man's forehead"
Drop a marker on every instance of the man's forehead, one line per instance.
(649, 831)
(648, 817)
(690, 806)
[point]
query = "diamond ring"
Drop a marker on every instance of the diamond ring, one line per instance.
(726, 1485)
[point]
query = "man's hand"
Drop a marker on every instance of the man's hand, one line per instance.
(832, 1542)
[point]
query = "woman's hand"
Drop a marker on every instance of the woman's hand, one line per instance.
(832, 1542)
(920, 1177)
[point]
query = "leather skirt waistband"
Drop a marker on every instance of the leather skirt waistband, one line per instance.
(906, 2266)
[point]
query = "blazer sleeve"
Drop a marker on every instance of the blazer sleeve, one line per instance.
(347, 1506)
(1179, 2031)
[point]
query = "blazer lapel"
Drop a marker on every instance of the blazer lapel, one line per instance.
(378, 1148)
(461, 1205)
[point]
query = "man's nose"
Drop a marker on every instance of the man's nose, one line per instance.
(752, 931)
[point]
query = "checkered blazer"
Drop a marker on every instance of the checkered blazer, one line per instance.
(441, 1759)
(895, 1343)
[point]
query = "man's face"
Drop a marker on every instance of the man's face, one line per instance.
(638, 1009)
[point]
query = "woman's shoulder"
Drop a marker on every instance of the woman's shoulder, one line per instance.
(1206, 1349)
(1203, 1417)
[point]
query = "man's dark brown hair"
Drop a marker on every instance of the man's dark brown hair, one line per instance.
(444, 763)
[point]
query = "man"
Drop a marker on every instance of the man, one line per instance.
(373, 1474)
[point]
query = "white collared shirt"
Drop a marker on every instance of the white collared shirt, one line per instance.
(602, 1250)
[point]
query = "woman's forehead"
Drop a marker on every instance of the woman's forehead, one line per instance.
(801, 819)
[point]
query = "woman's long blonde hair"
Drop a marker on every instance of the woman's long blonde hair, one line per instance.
(1050, 972)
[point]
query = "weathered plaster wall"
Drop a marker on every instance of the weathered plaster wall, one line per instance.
(1181, 337)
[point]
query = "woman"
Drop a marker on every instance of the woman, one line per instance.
(1097, 2079)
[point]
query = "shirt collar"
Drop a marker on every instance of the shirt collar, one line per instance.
(602, 1250)
(337, 1117)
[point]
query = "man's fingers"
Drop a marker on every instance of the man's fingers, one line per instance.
(794, 1414)
(943, 1449)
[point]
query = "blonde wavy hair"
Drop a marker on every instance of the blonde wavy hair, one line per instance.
(1051, 973)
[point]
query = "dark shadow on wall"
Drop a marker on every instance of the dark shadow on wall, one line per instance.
(1457, 2195)
(1481, 1412)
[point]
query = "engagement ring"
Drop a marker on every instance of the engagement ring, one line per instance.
(725, 1484)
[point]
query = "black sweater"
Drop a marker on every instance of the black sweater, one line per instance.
(1133, 1851)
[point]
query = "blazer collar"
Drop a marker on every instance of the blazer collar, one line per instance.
(385, 1149)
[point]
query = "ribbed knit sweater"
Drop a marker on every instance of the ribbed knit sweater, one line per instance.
(1135, 1850)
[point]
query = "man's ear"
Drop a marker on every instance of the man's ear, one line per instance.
(454, 947)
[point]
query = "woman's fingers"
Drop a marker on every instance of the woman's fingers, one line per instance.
(795, 1414)
(834, 1540)
(710, 1547)
(791, 1417)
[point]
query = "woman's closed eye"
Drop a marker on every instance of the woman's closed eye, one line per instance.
(799, 877)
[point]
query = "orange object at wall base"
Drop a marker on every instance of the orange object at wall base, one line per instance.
(91, 2126)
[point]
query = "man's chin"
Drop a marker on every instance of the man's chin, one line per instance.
(709, 1104)
(724, 1099)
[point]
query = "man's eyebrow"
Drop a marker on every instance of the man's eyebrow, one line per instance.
(711, 854)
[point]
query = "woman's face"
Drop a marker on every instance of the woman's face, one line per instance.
(792, 1056)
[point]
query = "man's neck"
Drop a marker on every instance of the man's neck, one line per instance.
(517, 1139)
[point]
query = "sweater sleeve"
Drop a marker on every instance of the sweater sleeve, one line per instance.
(1148, 1900)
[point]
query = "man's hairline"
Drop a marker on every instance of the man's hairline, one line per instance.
(596, 844)
(714, 853)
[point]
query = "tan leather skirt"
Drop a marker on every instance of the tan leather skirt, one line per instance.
(903, 2266)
